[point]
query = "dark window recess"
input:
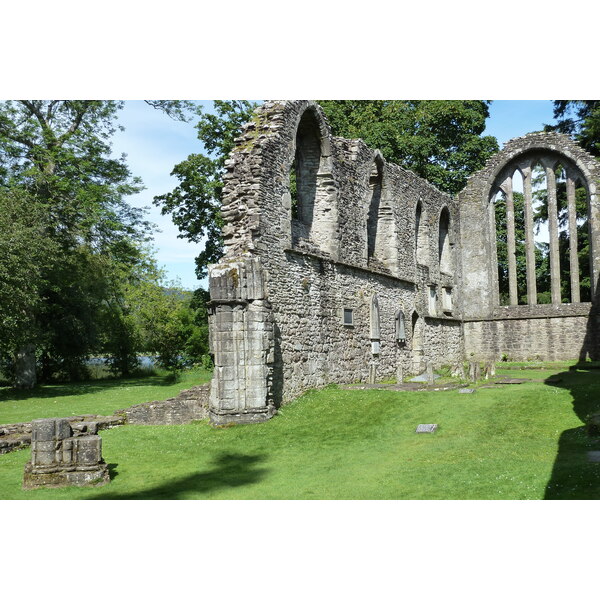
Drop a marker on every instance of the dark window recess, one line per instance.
(400, 329)
(348, 316)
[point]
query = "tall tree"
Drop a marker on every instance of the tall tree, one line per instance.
(195, 203)
(58, 153)
(581, 120)
(440, 140)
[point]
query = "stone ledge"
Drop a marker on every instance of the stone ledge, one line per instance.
(346, 265)
(536, 311)
(35, 478)
(189, 405)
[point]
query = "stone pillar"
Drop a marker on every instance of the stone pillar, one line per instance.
(372, 372)
(399, 373)
(474, 371)
(242, 338)
(529, 239)
(553, 234)
(493, 258)
(507, 188)
(429, 371)
(574, 259)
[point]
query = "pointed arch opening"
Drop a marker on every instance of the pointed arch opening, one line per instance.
(540, 217)
(313, 191)
(416, 334)
(375, 191)
(421, 236)
(444, 245)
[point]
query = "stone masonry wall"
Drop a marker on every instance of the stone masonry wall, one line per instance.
(478, 242)
(313, 270)
(346, 242)
(544, 338)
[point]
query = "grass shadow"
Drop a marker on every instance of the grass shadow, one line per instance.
(229, 471)
(573, 475)
(112, 470)
(53, 390)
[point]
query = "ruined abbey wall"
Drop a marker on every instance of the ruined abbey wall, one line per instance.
(341, 267)
(558, 331)
(348, 244)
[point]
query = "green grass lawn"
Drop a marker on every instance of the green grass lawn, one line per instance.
(96, 397)
(507, 442)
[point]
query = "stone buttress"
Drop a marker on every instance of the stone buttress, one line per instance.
(241, 340)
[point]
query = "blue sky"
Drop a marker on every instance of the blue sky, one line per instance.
(154, 144)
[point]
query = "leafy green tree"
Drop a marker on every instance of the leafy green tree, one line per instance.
(167, 323)
(195, 203)
(58, 153)
(581, 120)
(540, 217)
(25, 255)
(440, 140)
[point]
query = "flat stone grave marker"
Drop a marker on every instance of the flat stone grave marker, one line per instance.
(511, 381)
(594, 456)
(423, 377)
(426, 428)
(466, 391)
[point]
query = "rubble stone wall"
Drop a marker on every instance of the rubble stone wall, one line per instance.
(322, 235)
(522, 339)
(356, 240)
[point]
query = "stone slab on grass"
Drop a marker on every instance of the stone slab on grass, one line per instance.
(426, 428)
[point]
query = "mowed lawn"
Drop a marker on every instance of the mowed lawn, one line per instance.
(95, 397)
(506, 442)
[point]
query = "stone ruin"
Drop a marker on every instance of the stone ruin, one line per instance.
(341, 267)
(58, 458)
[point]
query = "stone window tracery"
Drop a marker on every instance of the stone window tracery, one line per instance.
(539, 215)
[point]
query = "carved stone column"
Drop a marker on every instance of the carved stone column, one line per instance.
(553, 234)
(507, 188)
(574, 259)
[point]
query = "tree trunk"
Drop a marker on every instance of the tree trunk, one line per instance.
(25, 378)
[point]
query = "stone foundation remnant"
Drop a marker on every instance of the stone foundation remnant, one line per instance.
(60, 459)
(341, 267)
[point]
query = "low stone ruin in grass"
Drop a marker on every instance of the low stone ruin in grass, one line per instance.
(62, 457)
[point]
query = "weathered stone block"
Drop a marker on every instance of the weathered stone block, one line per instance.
(57, 459)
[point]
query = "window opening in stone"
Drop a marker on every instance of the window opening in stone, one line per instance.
(294, 190)
(417, 334)
(432, 301)
(573, 240)
(541, 234)
(400, 329)
(542, 238)
(314, 202)
(375, 332)
(445, 252)
(579, 256)
(447, 300)
(306, 166)
(348, 316)
(375, 187)
(511, 244)
(421, 237)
